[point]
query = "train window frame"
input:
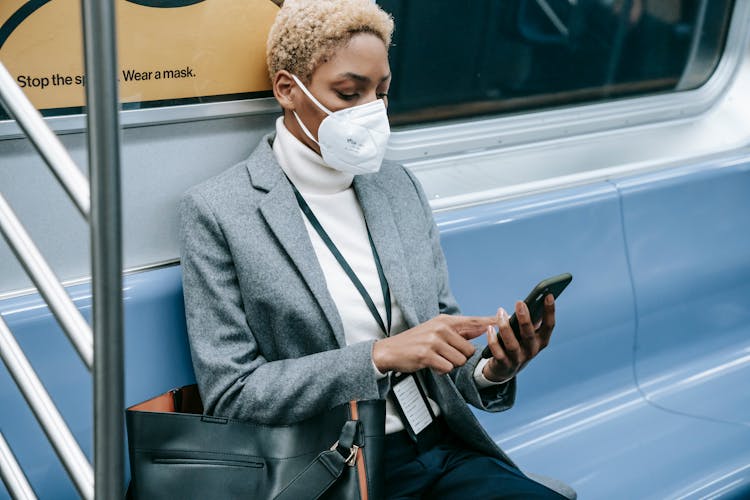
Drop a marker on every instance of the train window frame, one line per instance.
(133, 118)
(528, 125)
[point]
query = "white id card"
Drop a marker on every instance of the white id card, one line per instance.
(412, 403)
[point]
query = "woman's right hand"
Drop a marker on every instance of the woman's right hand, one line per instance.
(441, 343)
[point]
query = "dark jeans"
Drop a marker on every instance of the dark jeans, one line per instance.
(447, 470)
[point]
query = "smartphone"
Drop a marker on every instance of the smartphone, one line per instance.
(535, 302)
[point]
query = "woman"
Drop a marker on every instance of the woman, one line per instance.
(281, 328)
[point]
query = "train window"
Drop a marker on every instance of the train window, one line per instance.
(170, 51)
(453, 59)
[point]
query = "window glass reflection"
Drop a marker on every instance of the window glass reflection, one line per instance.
(454, 59)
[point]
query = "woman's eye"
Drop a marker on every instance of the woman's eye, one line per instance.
(347, 97)
(382, 95)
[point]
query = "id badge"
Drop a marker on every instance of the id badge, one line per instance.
(411, 402)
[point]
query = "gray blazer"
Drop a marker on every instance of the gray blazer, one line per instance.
(266, 338)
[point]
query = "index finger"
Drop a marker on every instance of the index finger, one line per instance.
(471, 327)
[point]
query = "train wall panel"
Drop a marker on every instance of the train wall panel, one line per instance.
(159, 163)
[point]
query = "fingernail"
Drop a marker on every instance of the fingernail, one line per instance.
(549, 299)
(503, 314)
(520, 311)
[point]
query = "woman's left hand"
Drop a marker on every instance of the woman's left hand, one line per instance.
(510, 358)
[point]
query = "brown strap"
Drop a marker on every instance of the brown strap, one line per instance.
(361, 466)
(362, 474)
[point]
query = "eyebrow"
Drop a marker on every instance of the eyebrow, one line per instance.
(361, 78)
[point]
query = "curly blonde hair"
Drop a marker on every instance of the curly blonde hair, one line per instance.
(307, 32)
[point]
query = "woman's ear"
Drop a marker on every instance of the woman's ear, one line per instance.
(284, 89)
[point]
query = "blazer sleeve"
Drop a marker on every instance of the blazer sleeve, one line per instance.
(496, 398)
(234, 379)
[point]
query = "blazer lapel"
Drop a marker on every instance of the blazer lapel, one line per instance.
(281, 212)
(379, 218)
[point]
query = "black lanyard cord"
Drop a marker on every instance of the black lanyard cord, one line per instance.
(347, 268)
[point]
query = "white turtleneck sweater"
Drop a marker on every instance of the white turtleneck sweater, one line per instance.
(332, 199)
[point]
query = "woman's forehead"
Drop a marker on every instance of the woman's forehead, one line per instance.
(364, 59)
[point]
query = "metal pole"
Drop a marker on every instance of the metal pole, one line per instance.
(12, 474)
(45, 141)
(63, 308)
(100, 44)
(44, 409)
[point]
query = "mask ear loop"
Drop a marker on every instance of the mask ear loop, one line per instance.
(316, 102)
(304, 129)
(312, 97)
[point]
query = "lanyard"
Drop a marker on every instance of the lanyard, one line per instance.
(347, 268)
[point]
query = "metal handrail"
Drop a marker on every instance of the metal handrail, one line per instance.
(45, 141)
(103, 125)
(44, 409)
(63, 308)
(102, 200)
(12, 475)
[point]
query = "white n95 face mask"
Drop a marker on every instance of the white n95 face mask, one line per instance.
(352, 140)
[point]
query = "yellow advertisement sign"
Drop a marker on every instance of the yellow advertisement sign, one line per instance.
(167, 49)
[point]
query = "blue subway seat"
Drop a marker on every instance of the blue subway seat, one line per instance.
(643, 391)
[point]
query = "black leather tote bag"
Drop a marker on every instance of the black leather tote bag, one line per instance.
(177, 452)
